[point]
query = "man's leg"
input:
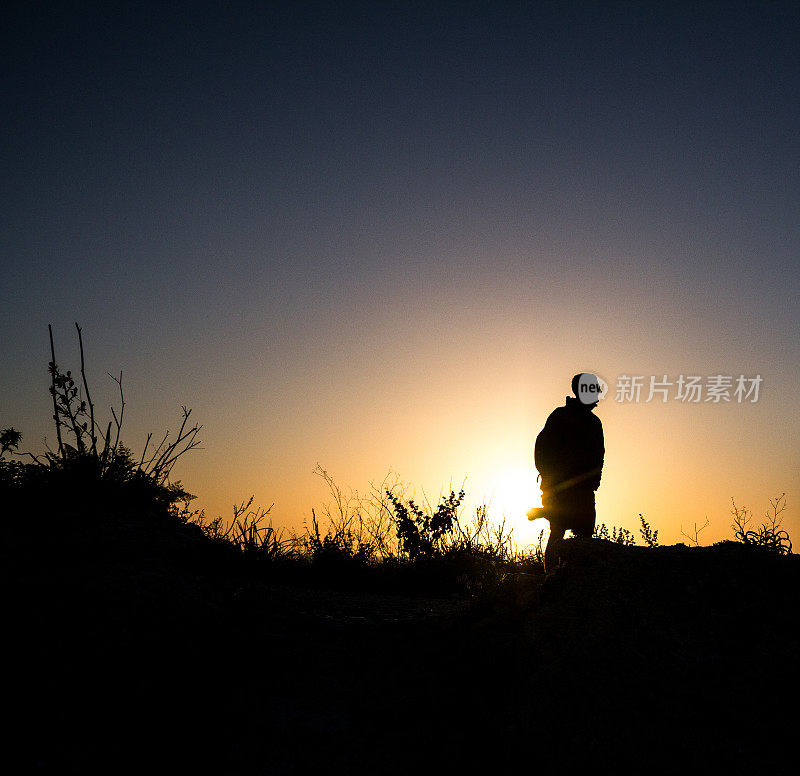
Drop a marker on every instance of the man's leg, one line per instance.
(585, 514)
(553, 548)
(576, 511)
(584, 532)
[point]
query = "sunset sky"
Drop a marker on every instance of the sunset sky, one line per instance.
(384, 236)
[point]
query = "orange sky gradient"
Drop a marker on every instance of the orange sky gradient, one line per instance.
(452, 394)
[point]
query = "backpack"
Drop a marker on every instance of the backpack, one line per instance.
(545, 450)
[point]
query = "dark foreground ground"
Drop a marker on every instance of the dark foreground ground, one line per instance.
(138, 645)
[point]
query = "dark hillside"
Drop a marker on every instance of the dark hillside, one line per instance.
(136, 640)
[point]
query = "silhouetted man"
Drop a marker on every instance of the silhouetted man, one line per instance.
(569, 455)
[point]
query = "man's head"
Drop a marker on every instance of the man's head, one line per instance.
(588, 389)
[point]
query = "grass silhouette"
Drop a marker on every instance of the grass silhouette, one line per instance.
(389, 636)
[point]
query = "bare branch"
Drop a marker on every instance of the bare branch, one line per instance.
(104, 456)
(34, 457)
(118, 421)
(53, 391)
(695, 537)
(88, 396)
(144, 452)
(148, 466)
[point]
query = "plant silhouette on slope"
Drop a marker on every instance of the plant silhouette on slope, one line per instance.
(769, 535)
(649, 536)
(90, 460)
(421, 533)
(617, 535)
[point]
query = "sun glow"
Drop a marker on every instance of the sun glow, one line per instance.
(515, 492)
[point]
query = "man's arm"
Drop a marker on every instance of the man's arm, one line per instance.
(601, 454)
